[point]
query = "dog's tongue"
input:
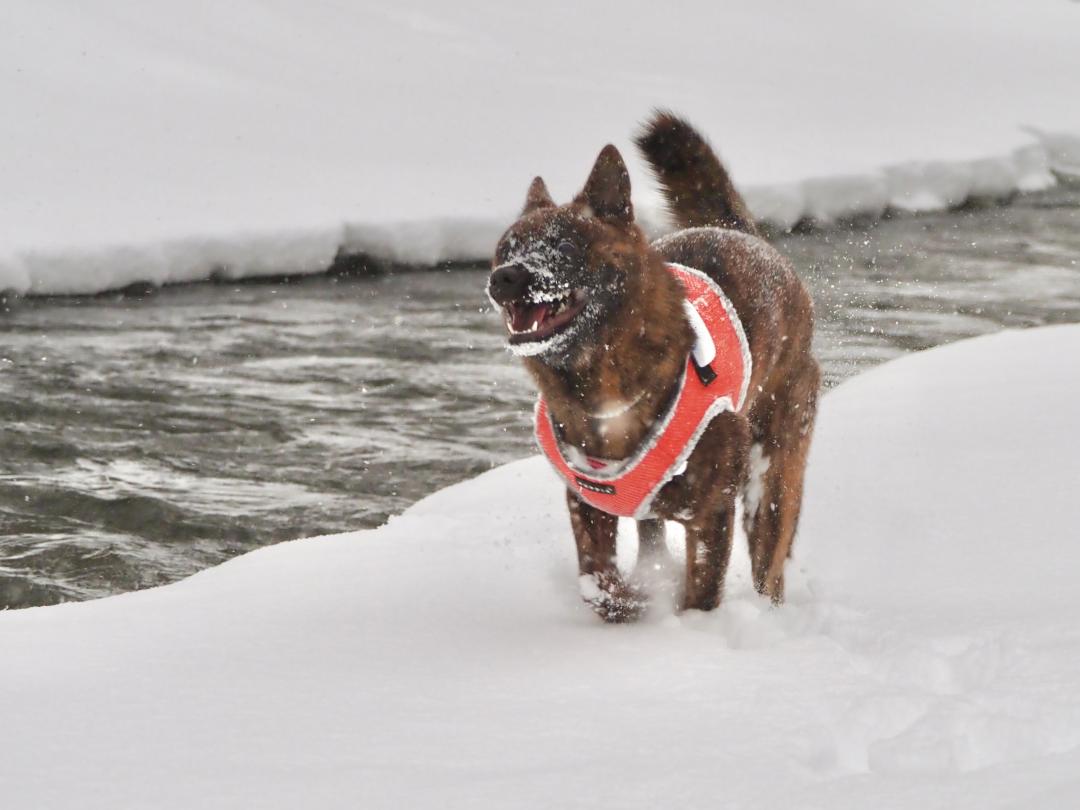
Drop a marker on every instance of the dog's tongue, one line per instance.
(523, 316)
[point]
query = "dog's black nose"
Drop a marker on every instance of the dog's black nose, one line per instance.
(508, 283)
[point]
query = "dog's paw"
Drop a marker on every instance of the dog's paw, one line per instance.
(612, 599)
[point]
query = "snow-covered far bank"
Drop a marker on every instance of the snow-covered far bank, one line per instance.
(928, 655)
(155, 143)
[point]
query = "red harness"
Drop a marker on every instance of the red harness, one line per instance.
(715, 380)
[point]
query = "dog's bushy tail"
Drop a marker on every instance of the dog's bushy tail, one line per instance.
(696, 185)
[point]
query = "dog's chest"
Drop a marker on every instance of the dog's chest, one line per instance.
(610, 431)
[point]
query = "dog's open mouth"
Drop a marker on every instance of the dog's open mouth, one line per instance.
(539, 320)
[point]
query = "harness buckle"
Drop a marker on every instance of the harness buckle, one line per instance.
(705, 373)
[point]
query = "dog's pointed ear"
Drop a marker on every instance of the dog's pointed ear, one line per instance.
(538, 196)
(607, 191)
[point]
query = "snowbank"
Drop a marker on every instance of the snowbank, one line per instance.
(149, 142)
(928, 656)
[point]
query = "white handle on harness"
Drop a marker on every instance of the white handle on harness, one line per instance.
(704, 350)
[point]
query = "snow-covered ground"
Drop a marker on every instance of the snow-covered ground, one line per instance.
(929, 655)
(165, 142)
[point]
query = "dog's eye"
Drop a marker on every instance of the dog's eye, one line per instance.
(569, 250)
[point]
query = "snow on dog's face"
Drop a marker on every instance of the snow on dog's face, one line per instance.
(560, 272)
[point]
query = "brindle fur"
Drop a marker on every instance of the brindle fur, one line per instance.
(639, 349)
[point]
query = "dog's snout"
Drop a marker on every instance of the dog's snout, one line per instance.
(508, 283)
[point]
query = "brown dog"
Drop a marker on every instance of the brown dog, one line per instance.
(602, 326)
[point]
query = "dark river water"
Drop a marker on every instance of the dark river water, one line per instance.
(146, 438)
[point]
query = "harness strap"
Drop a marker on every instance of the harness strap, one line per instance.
(715, 379)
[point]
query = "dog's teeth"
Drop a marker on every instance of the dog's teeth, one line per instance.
(535, 326)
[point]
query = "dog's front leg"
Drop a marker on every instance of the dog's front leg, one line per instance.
(708, 548)
(601, 584)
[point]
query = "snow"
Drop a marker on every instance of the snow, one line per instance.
(755, 483)
(928, 655)
(151, 142)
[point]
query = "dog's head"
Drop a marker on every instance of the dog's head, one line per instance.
(562, 272)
